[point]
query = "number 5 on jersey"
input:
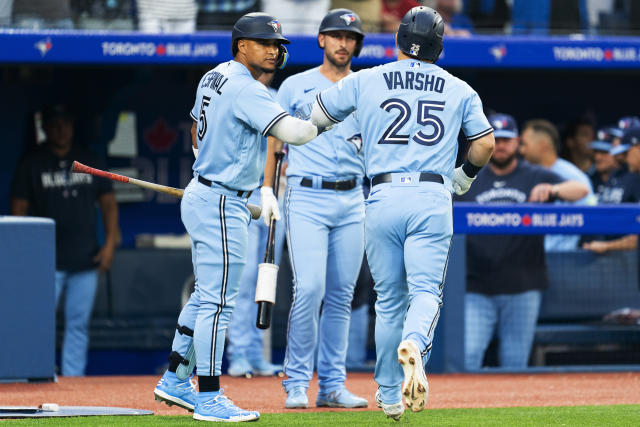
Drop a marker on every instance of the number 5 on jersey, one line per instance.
(206, 100)
(425, 118)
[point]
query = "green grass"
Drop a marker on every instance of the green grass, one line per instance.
(616, 415)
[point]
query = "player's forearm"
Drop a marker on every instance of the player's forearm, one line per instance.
(623, 244)
(273, 146)
(109, 208)
(481, 150)
(571, 190)
(294, 131)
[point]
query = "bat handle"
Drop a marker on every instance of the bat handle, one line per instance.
(263, 321)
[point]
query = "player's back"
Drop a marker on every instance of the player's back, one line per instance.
(232, 148)
(411, 113)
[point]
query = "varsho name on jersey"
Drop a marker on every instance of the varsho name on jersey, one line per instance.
(414, 81)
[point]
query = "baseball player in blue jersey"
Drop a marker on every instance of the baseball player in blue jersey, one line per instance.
(324, 212)
(233, 113)
(410, 113)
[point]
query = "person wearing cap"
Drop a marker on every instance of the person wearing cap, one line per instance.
(324, 207)
(539, 145)
(622, 187)
(233, 113)
(506, 274)
(43, 186)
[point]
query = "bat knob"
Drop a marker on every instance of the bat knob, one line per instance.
(264, 315)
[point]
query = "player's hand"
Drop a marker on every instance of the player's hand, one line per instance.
(461, 182)
(104, 257)
(269, 205)
(541, 193)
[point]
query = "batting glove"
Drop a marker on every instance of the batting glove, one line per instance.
(269, 205)
(461, 182)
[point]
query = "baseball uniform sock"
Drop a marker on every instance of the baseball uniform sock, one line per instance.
(206, 384)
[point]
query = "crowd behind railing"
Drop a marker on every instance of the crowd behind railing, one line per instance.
(463, 18)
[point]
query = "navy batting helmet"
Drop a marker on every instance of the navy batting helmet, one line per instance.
(343, 20)
(261, 26)
(420, 33)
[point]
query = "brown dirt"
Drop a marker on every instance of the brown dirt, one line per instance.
(266, 395)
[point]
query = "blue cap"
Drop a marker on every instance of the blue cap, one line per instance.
(619, 149)
(629, 121)
(608, 134)
(631, 136)
(504, 126)
(601, 146)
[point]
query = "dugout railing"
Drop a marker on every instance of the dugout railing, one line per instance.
(583, 287)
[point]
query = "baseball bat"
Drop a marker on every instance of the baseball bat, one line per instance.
(177, 192)
(263, 321)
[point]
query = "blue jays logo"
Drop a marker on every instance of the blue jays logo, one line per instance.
(348, 18)
(44, 46)
(498, 52)
(357, 141)
(499, 124)
(275, 24)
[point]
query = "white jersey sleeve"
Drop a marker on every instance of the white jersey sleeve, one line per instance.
(256, 107)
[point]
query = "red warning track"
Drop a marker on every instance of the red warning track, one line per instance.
(266, 395)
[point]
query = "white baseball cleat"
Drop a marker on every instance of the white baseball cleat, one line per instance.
(415, 387)
(394, 410)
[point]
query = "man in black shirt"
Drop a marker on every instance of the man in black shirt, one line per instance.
(506, 273)
(43, 186)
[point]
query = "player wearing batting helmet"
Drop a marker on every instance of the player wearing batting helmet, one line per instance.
(232, 115)
(324, 209)
(410, 113)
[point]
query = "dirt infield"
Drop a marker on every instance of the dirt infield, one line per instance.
(266, 395)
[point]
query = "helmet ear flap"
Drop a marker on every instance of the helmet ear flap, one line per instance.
(283, 57)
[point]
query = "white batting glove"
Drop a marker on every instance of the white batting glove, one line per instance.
(461, 182)
(269, 205)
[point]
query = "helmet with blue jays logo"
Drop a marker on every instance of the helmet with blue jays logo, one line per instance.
(343, 20)
(420, 33)
(260, 26)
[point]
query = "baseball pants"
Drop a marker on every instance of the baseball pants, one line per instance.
(326, 247)
(408, 232)
(217, 221)
(244, 337)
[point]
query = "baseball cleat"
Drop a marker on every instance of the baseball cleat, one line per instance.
(394, 410)
(240, 368)
(341, 398)
(215, 406)
(173, 391)
(262, 368)
(297, 398)
(415, 387)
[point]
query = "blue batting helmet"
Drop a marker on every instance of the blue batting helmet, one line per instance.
(260, 26)
(420, 33)
(343, 20)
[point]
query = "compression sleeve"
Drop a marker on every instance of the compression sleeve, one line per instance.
(294, 131)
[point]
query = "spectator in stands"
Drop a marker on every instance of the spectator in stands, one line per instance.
(298, 16)
(622, 187)
(549, 16)
(506, 273)
(393, 11)
(539, 145)
(489, 15)
(42, 14)
(222, 15)
(456, 24)
(369, 11)
(5, 12)
(579, 133)
(167, 16)
(43, 186)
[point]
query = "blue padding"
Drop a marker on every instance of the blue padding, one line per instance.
(208, 48)
(27, 298)
(530, 218)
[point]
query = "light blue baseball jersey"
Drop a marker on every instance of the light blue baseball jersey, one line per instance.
(410, 114)
(334, 154)
(234, 113)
